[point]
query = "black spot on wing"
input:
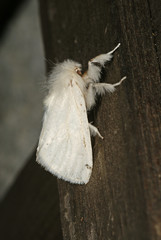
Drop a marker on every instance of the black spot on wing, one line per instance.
(87, 166)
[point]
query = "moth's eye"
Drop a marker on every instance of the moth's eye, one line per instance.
(78, 71)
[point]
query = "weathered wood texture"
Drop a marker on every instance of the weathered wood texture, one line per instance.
(122, 201)
(123, 198)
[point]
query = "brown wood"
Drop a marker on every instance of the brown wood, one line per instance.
(122, 201)
(123, 198)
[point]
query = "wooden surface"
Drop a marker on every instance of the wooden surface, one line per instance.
(123, 198)
(122, 201)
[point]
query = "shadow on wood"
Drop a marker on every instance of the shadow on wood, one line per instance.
(31, 208)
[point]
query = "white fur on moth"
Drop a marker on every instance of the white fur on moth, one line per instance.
(64, 147)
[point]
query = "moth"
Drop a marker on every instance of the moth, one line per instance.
(64, 147)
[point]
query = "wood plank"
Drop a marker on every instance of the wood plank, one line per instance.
(121, 200)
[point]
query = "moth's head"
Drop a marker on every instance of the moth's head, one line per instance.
(72, 67)
(78, 70)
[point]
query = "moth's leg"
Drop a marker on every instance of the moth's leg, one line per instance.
(90, 96)
(94, 131)
(101, 88)
(103, 58)
(95, 65)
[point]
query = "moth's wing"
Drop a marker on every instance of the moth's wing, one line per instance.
(65, 145)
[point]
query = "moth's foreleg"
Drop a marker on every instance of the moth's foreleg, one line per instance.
(103, 58)
(95, 66)
(94, 131)
(101, 88)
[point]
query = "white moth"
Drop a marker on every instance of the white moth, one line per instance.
(65, 145)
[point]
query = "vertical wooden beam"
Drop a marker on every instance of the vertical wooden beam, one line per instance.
(121, 201)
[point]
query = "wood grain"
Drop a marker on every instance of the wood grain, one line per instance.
(123, 198)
